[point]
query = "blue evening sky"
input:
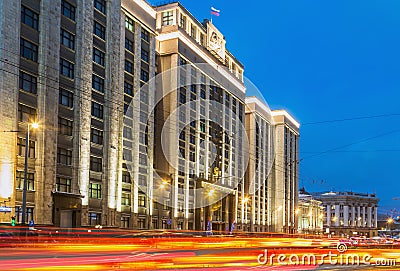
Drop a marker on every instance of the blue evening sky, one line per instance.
(326, 60)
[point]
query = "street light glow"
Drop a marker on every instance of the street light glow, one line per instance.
(35, 125)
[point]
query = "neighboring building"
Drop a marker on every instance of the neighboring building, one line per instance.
(310, 214)
(286, 171)
(205, 139)
(258, 179)
(349, 213)
(78, 62)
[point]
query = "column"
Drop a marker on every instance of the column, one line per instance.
(346, 215)
(363, 217)
(328, 215)
(358, 216)
(369, 217)
(354, 217)
(337, 215)
(376, 217)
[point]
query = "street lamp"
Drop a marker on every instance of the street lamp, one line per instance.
(34, 126)
(389, 221)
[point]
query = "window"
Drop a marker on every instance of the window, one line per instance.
(145, 35)
(144, 76)
(125, 222)
(66, 68)
(27, 82)
(129, 24)
(28, 50)
(96, 136)
(142, 200)
(141, 223)
(145, 55)
(126, 199)
(66, 98)
(97, 83)
(98, 56)
(142, 180)
(68, 10)
(64, 156)
(193, 31)
(183, 21)
(18, 213)
(99, 30)
(30, 180)
(64, 127)
(96, 164)
(26, 113)
(94, 219)
(126, 177)
(144, 97)
(128, 66)
(128, 88)
(143, 159)
(95, 190)
(167, 18)
(63, 185)
(129, 45)
(21, 147)
(97, 110)
(67, 39)
(29, 17)
(100, 5)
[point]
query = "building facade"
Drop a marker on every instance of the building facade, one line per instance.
(349, 213)
(78, 64)
(200, 114)
(310, 214)
(286, 171)
(141, 115)
(259, 187)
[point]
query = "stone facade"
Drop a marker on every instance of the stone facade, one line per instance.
(349, 213)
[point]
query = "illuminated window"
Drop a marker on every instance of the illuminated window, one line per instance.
(126, 199)
(129, 24)
(167, 18)
(63, 185)
(142, 200)
(95, 190)
(30, 180)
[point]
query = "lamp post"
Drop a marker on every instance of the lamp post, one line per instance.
(35, 126)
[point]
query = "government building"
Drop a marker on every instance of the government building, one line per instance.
(137, 118)
(349, 213)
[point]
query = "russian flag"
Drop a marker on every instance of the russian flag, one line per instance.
(215, 11)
